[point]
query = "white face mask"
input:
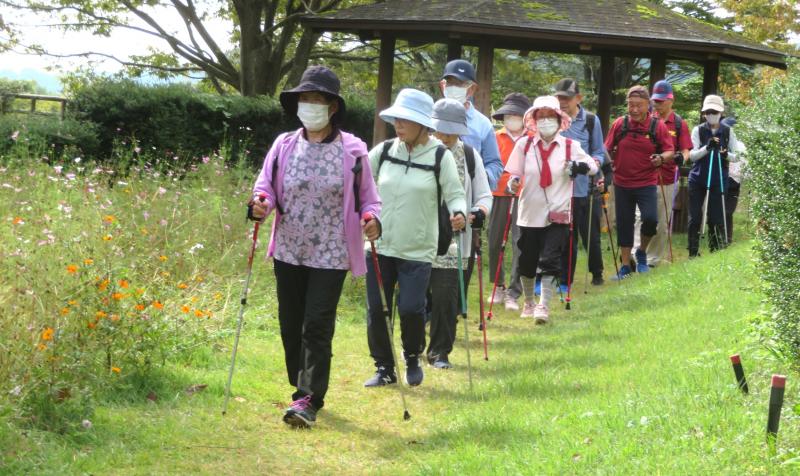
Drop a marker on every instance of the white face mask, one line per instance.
(547, 127)
(713, 118)
(512, 123)
(313, 116)
(458, 93)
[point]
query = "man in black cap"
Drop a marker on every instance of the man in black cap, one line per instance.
(458, 82)
(585, 129)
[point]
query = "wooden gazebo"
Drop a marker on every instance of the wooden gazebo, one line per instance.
(605, 28)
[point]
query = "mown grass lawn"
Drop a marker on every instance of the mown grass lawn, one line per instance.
(634, 380)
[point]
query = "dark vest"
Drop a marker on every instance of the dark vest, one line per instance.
(699, 174)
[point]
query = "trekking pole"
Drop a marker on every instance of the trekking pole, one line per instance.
(464, 307)
(610, 236)
(722, 196)
(243, 301)
(389, 321)
(589, 237)
(704, 221)
(501, 257)
(479, 262)
(571, 240)
(666, 213)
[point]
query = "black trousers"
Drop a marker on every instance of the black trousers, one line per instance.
(412, 278)
(307, 300)
(697, 195)
(731, 202)
(580, 217)
(444, 312)
(542, 248)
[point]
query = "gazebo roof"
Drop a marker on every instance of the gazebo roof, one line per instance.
(618, 27)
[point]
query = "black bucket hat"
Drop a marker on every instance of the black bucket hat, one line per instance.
(514, 104)
(315, 79)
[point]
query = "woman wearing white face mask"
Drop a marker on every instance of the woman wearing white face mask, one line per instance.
(319, 181)
(547, 161)
(514, 107)
(714, 147)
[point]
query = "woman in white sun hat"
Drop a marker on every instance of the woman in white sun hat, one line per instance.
(403, 169)
(547, 161)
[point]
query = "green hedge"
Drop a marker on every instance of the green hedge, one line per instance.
(176, 119)
(771, 130)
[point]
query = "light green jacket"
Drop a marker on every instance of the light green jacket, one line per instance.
(409, 216)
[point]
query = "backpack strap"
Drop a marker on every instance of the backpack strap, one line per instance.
(437, 167)
(651, 131)
(527, 146)
(620, 134)
(591, 119)
(678, 127)
(469, 156)
(357, 169)
(569, 150)
(384, 154)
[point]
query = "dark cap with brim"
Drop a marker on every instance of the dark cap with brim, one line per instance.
(514, 104)
(567, 87)
(318, 79)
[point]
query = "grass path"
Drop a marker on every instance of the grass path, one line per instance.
(634, 380)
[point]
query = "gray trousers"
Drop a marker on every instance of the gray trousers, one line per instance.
(497, 224)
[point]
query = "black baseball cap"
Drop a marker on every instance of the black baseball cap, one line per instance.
(460, 69)
(567, 87)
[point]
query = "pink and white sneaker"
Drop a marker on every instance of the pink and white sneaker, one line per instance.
(541, 314)
(528, 310)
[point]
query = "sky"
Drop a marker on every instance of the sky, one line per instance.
(122, 43)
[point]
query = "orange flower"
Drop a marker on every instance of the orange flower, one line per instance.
(116, 370)
(195, 299)
(199, 279)
(108, 238)
(47, 333)
(158, 305)
(118, 296)
(88, 261)
(144, 231)
(17, 221)
(103, 285)
(72, 269)
(72, 302)
(185, 309)
(198, 313)
(114, 317)
(42, 346)
(139, 307)
(100, 314)
(123, 284)
(183, 286)
(140, 291)
(64, 311)
(91, 325)
(217, 296)
(165, 274)
(109, 218)
(162, 258)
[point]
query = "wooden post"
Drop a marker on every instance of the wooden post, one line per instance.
(658, 69)
(63, 109)
(483, 98)
(710, 77)
(454, 51)
(605, 90)
(33, 105)
(383, 95)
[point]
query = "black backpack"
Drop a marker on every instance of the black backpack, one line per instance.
(651, 133)
(445, 228)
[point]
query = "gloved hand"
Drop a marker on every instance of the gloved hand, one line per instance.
(678, 159)
(477, 218)
(576, 168)
(713, 143)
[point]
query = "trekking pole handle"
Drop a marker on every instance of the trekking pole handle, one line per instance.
(262, 197)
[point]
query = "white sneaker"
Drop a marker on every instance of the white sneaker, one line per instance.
(528, 310)
(511, 303)
(498, 296)
(541, 314)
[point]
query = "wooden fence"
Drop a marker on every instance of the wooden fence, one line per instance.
(7, 100)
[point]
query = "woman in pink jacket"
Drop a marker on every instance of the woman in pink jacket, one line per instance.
(318, 181)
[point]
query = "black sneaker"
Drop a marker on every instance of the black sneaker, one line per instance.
(442, 364)
(383, 376)
(597, 280)
(301, 413)
(414, 372)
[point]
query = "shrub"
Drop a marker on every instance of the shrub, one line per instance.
(178, 120)
(771, 131)
(38, 135)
